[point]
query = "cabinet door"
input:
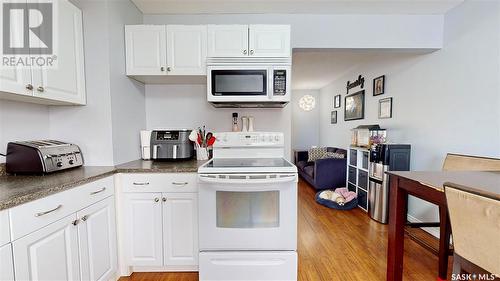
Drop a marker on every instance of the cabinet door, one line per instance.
(50, 253)
(269, 40)
(97, 240)
(146, 52)
(227, 40)
(66, 82)
(6, 263)
(180, 228)
(143, 229)
(186, 49)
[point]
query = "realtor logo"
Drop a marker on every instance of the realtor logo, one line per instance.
(28, 33)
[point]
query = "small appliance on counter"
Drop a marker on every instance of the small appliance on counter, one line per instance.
(42, 156)
(171, 145)
(383, 158)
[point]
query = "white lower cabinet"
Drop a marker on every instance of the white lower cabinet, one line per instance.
(143, 229)
(161, 229)
(180, 228)
(50, 253)
(6, 263)
(97, 241)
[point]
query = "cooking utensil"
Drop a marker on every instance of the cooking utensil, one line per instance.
(211, 141)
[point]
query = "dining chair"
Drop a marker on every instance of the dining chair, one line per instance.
(475, 224)
(460, 162)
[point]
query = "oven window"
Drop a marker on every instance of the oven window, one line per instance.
(258, 209)
(239, 82)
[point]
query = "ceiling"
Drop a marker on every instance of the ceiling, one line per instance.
(295, 7)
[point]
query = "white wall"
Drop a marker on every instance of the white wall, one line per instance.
(305, 124)
(446, 101)
(335, 31)
(186, 106)
(22, 121)
(127, 95)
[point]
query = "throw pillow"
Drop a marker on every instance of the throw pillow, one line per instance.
(316, 153)
(334, 155)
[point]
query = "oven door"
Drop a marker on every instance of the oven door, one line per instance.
(247, 212)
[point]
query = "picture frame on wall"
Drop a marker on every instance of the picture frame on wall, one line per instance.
(336, 101)
(379, 85)
(385, 108)
(354, 106)
(333, 117)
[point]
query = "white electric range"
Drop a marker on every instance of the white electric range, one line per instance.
(248, 209)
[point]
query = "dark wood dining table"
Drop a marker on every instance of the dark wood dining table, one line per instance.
(428, 186)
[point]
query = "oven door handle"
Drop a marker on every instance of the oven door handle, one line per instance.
(248, 179)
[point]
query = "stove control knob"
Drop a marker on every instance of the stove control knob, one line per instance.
(277, 138)
(59, 164)
(71, 162)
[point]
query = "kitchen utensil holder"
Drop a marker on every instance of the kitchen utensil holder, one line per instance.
(202, 153)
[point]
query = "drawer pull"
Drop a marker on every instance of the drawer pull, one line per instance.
(180, 183)
(49, 211)
(98, 191)
(141, 183)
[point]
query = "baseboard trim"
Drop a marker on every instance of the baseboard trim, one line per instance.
(171, 268)
(434, 231)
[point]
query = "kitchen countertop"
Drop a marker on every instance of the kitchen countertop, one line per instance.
(19, 189)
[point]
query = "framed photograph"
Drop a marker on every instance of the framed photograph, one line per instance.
(336, 101)
(333, 119)
(378, 85)
(354, 106)
(385, 108)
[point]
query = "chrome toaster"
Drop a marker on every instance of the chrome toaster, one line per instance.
(42, 156)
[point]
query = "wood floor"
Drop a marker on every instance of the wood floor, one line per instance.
(337, 245)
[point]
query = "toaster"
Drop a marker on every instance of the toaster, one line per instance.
(171, 145)
(42, 156)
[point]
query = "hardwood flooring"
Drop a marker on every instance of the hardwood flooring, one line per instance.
(337, 245)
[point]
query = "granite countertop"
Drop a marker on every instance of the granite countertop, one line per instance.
(19, 189)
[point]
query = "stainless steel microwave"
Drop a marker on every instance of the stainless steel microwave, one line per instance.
(249, 85)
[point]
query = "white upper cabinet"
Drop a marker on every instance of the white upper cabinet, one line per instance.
(97, 239)
(186, 49)
(180, 228)
(269, 40)
(50, 253)
(66, 82)
(228, 41)
(146, 52)
(63, 83)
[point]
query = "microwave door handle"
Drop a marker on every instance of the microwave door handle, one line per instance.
(155, 151)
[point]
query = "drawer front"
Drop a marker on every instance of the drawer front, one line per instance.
(248, 266)
(34, 215)
(4, 227)
(352, 175)
(353, 157)
(363, 179)
(164, 182)
(362, 199)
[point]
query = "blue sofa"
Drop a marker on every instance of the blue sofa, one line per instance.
(323, 173)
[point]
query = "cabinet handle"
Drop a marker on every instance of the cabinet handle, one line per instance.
(245, 52)
(40, 89)
(157, 199)
(251, 52)
(29, 87)
(85, 218)
(180, 183)
(49, 211)
(168, 68)
(75, 222)
(162, 68)
(140, 183)
(164, 199)
(98, 191)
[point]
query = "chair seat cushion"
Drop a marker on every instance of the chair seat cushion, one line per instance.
(309, 170)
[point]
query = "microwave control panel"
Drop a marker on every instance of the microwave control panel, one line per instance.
(279, 82)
